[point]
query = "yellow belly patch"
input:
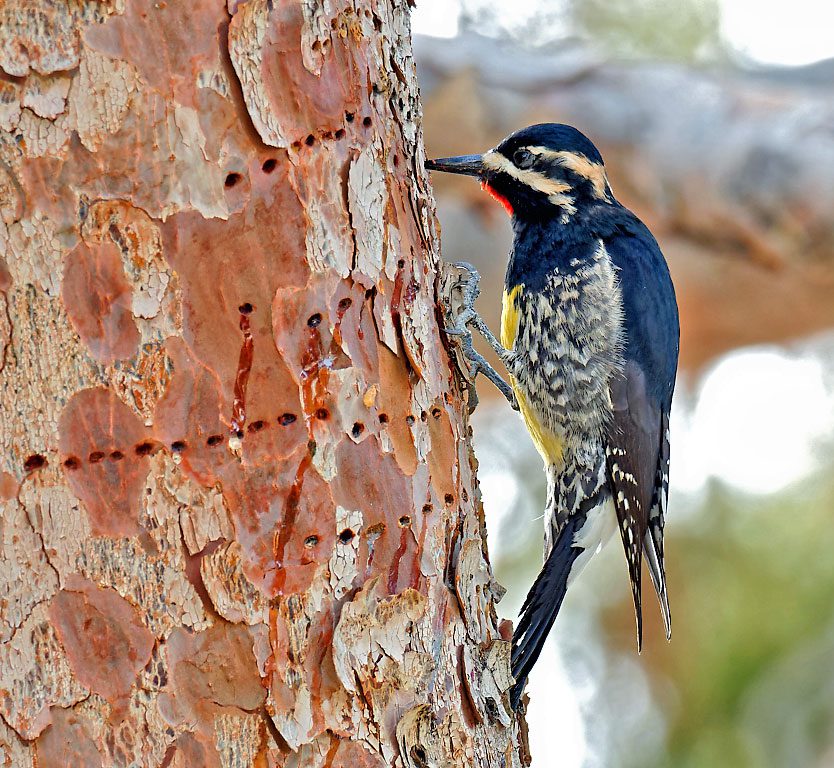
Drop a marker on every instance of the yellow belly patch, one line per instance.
(549, 445)
(510, 315)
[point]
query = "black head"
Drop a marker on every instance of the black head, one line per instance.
(541, 171)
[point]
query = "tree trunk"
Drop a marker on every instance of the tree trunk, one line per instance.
(240, 522)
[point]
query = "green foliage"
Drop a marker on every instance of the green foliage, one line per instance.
(685, 30)
(753, 581)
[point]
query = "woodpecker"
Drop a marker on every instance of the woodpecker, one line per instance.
(589, 337)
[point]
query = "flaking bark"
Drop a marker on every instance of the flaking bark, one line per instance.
(240, 521)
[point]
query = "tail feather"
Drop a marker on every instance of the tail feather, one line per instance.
(653, 539)
(542, 605)
(655, 562)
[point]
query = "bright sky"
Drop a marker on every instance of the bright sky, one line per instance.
(757, 419)
(768, 31)
(798, 32)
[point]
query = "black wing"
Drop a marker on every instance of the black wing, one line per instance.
(638, 442)
(632, 455)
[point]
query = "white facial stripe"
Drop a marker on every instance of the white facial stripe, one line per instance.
(594, 172)
(555, 190)
(495, 161)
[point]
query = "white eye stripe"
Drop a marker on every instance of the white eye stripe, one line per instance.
(555, 190)
(579, 164)
(495, 161)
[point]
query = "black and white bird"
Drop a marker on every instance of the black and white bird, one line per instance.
(589, 336)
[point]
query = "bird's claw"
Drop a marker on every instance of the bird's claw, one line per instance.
(469, 287)
(468, 267)
(479, 364)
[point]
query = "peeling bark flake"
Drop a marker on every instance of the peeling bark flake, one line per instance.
(367, 194)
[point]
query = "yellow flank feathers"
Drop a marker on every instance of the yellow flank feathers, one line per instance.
(549, 445)
(510, 315)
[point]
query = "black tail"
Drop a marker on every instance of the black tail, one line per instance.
(541, 606)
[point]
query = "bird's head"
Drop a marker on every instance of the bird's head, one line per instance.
(541, 171)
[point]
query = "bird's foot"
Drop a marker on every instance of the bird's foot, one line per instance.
(469, 282)
(465, 283)
(470, 290)
(479, 364)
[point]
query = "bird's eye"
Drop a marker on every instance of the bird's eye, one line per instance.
(523, 158)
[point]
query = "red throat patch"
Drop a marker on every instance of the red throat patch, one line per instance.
(498, 196)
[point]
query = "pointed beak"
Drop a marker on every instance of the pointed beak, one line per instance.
(469, 165)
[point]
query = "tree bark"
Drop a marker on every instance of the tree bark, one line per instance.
(240, 521)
